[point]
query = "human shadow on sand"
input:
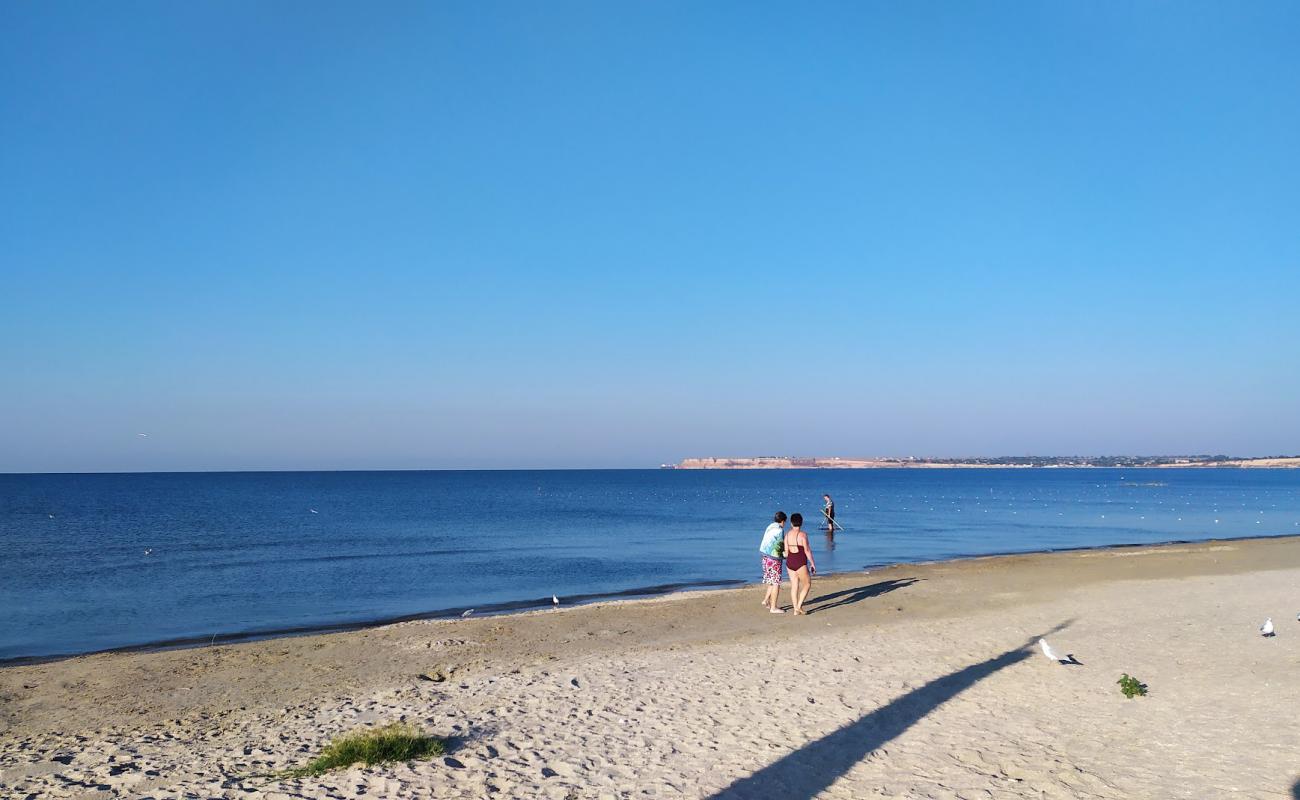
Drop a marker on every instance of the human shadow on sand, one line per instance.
(806, 772)
(847, 597)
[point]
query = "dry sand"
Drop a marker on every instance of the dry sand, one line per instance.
(910, 681)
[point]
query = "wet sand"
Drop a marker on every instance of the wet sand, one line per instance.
(908, 681)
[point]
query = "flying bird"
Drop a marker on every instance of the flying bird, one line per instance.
(1267, 628)
(467, 612)
(1053, 655)
(314, 511)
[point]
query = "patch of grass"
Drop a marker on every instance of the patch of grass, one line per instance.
(1132, 687)
(393, 742)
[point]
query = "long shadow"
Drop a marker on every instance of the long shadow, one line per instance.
(850, 596)
(1295, 790)
(804, 773)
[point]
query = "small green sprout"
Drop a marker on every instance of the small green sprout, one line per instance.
(1132, 687)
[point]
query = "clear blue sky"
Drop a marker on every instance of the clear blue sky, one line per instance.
(489, 234)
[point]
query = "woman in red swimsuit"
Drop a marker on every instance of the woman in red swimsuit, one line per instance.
(799, 563)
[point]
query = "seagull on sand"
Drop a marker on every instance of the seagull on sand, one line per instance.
(555, 600)
(1267, 628)
(467, 612)
(1053, 655)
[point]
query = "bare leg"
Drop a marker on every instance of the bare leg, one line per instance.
(806, 590)
(775, 605)
(796, 589)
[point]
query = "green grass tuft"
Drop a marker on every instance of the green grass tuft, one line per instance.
(394, 742)
(1132, 687)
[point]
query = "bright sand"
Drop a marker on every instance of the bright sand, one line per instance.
(909, 681)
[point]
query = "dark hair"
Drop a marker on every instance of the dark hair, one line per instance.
(796, 519)
(780, 517)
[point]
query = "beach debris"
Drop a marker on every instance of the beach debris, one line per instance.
(436, 675)
(1131, 687)
(1266, 630)
(555, 600)
(1055, 656)
(467, 612)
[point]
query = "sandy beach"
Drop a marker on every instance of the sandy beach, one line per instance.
(909, 681)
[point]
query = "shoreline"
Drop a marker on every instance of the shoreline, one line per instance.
(524, 606)
(933, 665)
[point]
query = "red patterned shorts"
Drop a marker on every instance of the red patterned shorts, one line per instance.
(771, 571)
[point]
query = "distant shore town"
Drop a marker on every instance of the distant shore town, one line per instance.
(794, 462)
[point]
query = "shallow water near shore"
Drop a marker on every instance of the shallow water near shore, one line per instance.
(106, 561)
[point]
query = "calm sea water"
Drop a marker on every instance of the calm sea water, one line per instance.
(103, 561)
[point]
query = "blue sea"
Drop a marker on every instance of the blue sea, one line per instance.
(94, 562)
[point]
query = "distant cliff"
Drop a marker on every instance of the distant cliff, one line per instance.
(798, 462)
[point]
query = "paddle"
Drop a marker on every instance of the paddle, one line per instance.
(831, 521)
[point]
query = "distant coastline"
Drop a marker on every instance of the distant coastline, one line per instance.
(1000, 462)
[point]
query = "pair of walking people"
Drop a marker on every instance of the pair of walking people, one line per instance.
(793, 547)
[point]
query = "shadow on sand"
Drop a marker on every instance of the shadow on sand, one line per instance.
(1295, 790)
(850, 596)
(804, 773)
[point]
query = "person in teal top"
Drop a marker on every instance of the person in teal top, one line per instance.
(772, 548)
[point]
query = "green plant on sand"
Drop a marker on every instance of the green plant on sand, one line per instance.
(393, 742)
(1131, 687)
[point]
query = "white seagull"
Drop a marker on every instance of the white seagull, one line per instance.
(1267, 628)
(555, 600)
(467, 612)
(1052, 654)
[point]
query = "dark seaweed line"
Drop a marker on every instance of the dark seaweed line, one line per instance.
(488, 609)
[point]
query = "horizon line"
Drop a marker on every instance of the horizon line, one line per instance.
(659, 467)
